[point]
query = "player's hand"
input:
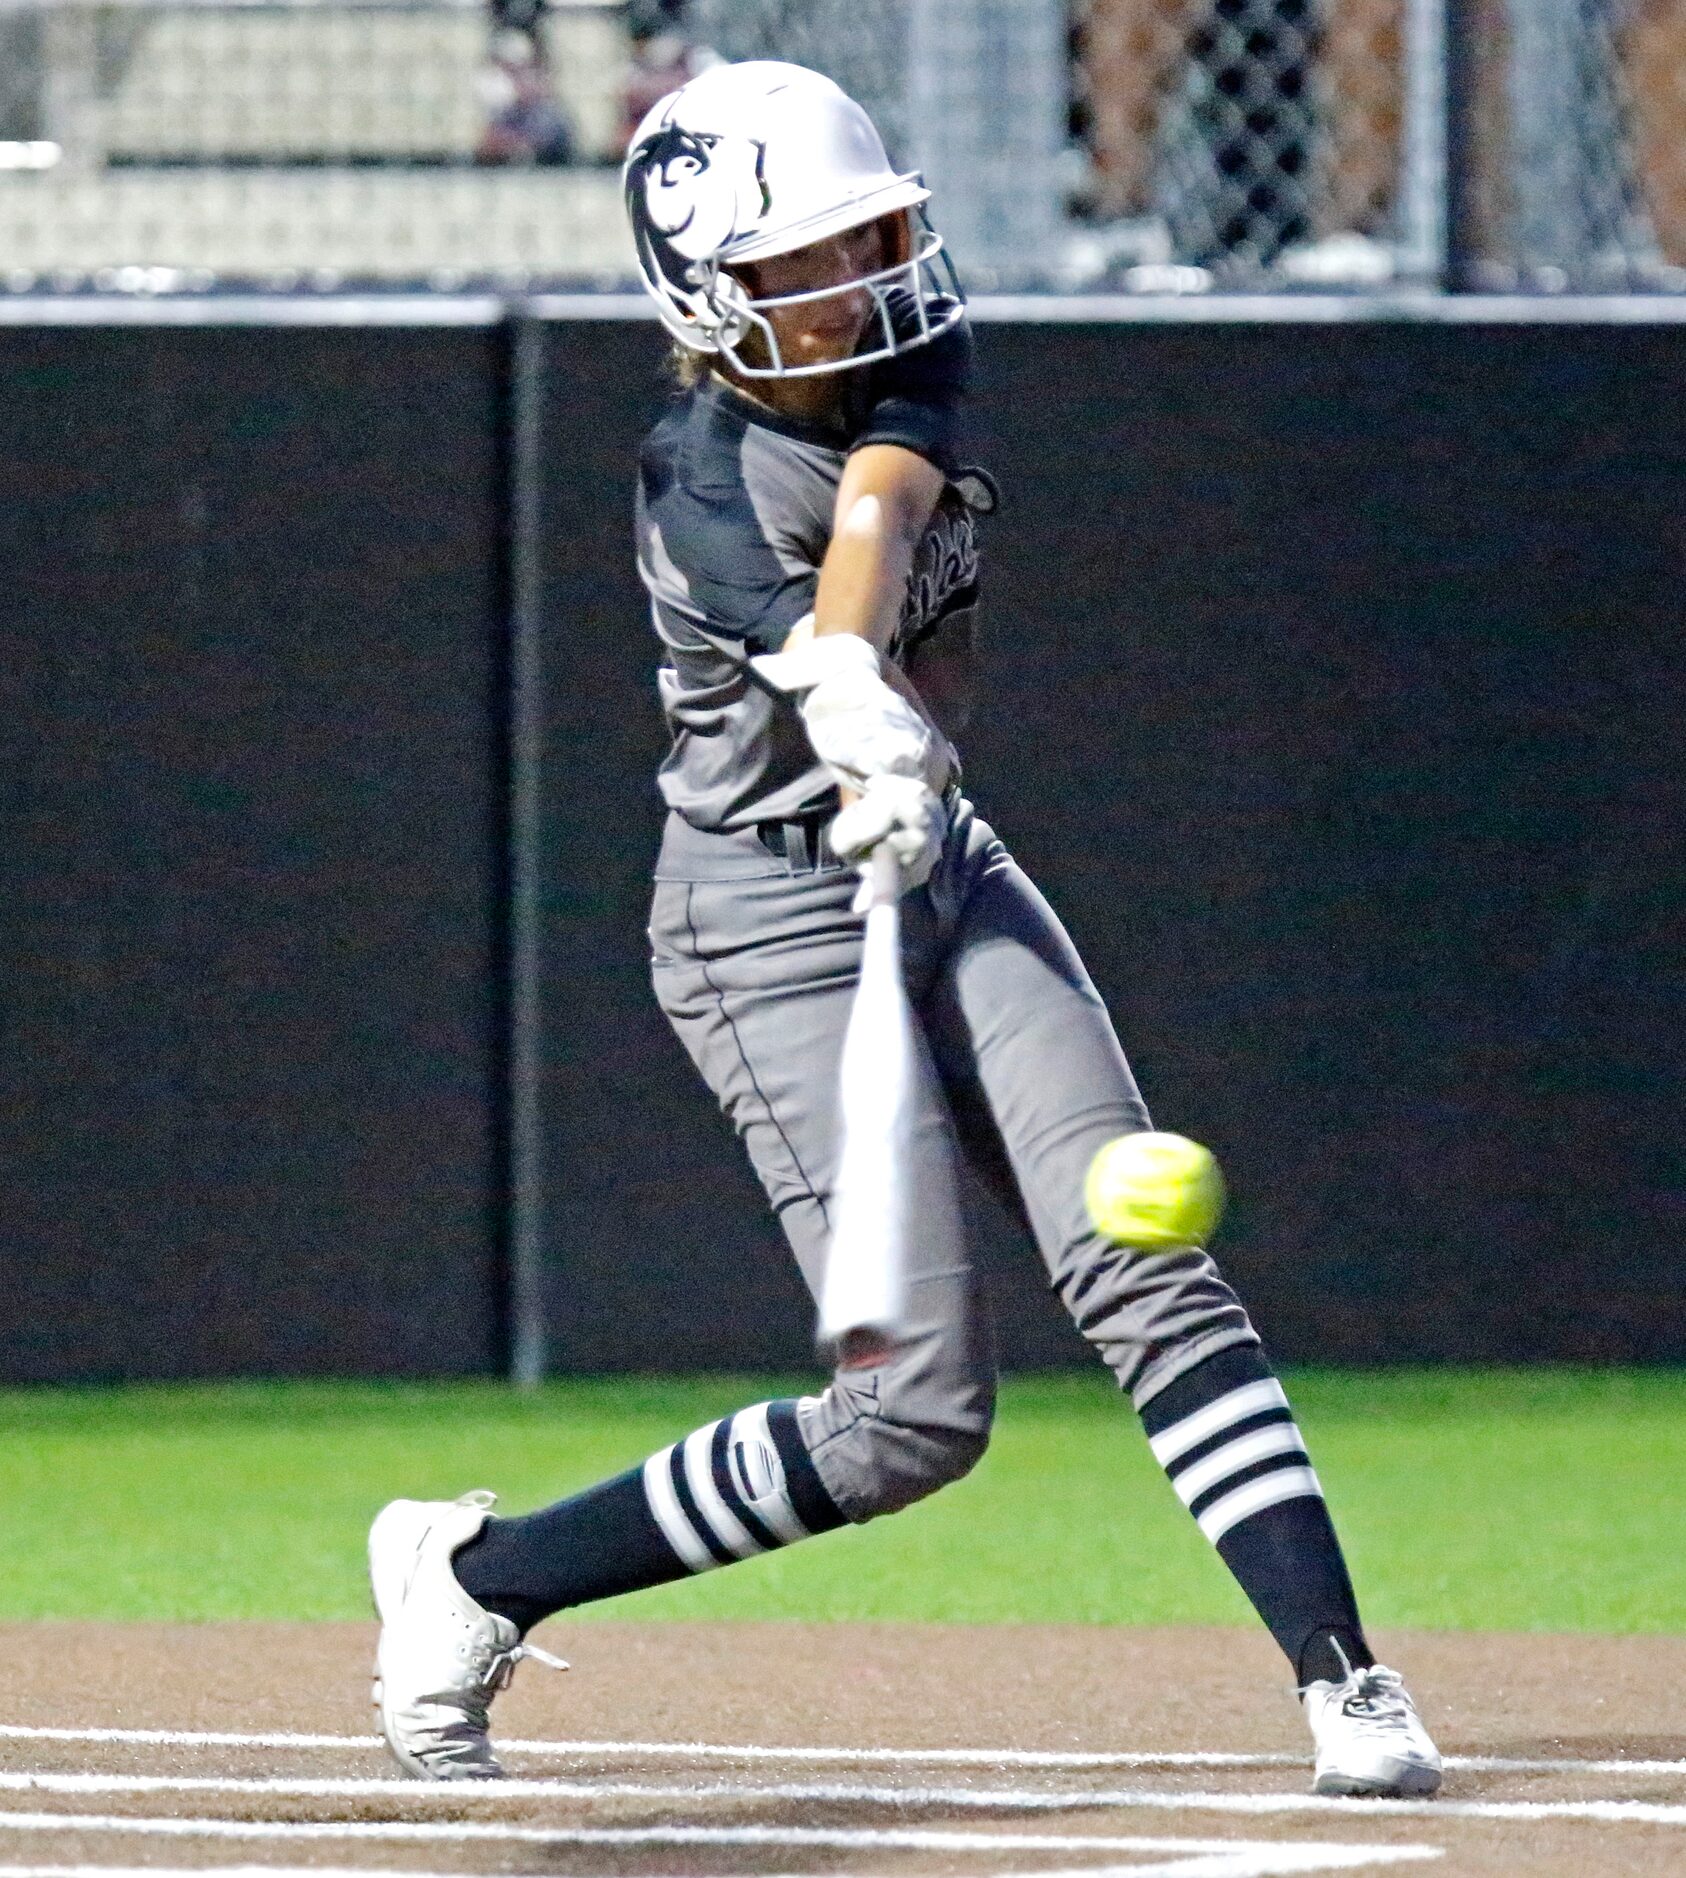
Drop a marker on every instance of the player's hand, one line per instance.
(860, 727)
(898, 812)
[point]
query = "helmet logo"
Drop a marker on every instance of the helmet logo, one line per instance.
(689, 192)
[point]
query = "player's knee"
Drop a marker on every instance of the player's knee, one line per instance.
(915, 1462)
(954, 1446)
(914, 1448)
(960, 1448)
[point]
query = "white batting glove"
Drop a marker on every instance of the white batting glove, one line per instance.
(860, 727)
(898, 812)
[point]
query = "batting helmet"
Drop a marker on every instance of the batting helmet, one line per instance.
(758, 159)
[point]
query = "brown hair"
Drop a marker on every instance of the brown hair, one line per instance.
(686, 366)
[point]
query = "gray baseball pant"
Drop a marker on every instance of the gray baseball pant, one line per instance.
(755, 959)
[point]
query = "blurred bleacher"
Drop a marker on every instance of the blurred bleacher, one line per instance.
(297, 143)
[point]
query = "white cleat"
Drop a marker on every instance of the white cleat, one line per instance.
(441, 1658)
(1371, 1742)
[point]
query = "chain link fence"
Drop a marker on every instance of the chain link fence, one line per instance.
(1579, 154)
(1249, 142)
(972, 93)
(1120, 145)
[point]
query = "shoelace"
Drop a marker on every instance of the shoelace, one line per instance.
(1376, 1695)
(502, 1666)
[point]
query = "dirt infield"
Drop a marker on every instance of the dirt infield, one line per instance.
(761, 1749)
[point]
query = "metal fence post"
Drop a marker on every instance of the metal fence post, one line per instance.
(1463, 23)
(525, 1224)
(1540, 82)
(1426, 136)
(987, 99)
(1579, 212)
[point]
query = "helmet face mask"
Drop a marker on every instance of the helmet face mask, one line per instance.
(756, 161)
(924, 281)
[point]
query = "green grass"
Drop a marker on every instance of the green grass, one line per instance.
(1540, 1499)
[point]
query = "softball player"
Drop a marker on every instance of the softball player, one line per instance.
(808, 536)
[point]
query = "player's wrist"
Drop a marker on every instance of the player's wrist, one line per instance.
(900, 814)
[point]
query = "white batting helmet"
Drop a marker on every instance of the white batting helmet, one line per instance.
(753, 160)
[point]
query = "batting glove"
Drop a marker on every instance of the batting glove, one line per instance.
(898, 812)
(860, 726)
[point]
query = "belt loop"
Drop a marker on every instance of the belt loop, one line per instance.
(800, 844)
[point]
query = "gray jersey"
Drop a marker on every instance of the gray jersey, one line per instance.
(734, 516)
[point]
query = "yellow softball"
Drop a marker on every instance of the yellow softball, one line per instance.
(1153, 1190)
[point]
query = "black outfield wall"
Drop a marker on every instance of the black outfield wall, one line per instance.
(250, 620)
(1335, 684)
(1335, 692)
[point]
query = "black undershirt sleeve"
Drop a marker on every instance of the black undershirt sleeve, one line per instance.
(917, 398)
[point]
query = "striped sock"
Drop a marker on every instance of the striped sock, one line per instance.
(735, 1488)
(1227, 1438)
(738, 1487)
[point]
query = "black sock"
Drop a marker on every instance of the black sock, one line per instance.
(735, 1488)
(1226, 1436)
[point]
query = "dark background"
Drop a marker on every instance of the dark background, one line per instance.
(250, 660)
(1335, 682)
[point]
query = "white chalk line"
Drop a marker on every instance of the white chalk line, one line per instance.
(108, 1870)
(709, 1750)
(683, 1750)
(1242, 1862)
(956, 1799)
(1191, 1858)
(846, 1838)
(295, 1871)
(1202, 1865)
(222, 1871)
(1240, 1859)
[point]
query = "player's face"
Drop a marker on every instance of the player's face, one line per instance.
(819, 332)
